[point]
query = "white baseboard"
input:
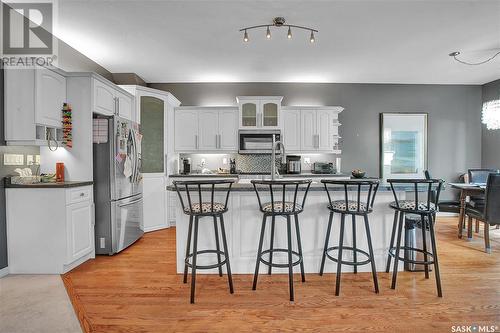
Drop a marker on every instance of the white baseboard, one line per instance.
(4, 272)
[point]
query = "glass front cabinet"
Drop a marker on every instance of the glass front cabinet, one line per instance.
(259, 111)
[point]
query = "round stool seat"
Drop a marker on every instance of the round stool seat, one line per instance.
(410, 205)
(339, 205)
(206, 207)
(278, 207)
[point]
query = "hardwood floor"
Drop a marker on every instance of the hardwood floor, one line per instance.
(139, 291)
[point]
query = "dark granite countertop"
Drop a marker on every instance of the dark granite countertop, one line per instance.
(210, 175)
(227, 175)
(50, 185)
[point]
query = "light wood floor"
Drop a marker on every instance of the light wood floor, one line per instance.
(139, 291)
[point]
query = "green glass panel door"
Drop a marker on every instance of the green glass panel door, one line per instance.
(270, 112)
(249, 114)
(152, 130)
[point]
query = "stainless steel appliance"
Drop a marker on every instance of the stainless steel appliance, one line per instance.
(293, 165)
(117, 184)
(257, 141)
(321, 167)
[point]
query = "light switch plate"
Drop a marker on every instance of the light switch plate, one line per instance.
(37, 159)
(13, 159)
(29, 160)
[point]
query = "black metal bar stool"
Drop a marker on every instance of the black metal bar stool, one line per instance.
(285, 208)
(426, 209)
(200, 196)
(365, 192)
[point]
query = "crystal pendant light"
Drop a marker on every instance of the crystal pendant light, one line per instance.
(491, 114)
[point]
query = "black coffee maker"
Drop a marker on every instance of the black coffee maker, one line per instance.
(186, 166)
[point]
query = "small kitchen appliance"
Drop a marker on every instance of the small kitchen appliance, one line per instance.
(293, 165)
(186, 166)
(323, 168)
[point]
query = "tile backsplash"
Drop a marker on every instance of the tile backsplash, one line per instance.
(251, 163)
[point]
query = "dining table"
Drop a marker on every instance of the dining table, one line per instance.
(466, 190)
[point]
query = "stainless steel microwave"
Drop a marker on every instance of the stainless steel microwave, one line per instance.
(257, 141)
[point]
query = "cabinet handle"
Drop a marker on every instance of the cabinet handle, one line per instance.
(117, 106)
(216, 141)
(261, 120)
(220, 141)
(196, 141)
(82, 194)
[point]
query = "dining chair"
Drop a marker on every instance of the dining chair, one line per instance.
(448, 206)
(478, 176)
(489, 214)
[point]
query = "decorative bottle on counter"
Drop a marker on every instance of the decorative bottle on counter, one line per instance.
(59, 172)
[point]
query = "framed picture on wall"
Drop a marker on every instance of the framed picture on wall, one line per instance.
(403, 145)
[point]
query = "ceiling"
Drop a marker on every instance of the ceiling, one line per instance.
(358, 41)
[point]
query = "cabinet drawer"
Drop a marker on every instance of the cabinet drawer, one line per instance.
(78, 194)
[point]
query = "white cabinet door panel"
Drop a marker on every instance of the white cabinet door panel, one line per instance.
(79, 230)
(308, 130)
(125, 106)
(324, 141)
(104, 98)
(291, 129)
(154, 202)
(208, 123)
(186, 130)
(50, 94)
(228, 130)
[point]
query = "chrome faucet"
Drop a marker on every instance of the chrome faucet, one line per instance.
(281, 146)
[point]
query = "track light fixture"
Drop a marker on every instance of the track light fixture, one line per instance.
(279, 22)
(457, 53)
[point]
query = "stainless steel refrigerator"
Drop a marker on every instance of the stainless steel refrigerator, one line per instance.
(117, 184)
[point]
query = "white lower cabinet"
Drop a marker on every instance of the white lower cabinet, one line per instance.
(79, 230)
(154, 202)
(49, 230)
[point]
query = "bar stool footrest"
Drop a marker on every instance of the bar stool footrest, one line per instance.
(295, 263)
(392, 251)
(223, 262)
(345, 262)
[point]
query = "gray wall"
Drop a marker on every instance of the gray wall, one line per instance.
(490, 156)
(454, 116)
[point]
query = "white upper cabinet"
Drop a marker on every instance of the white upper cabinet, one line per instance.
(291, 129)
(50, 95)
(104, 98)
(311, 129)
(125, 106)
(259, 111)
(206, 129)
(228, 130)
(33, 105)
(110, 100)
(186, 130)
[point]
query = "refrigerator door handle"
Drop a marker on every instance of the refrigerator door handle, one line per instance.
(131, 202)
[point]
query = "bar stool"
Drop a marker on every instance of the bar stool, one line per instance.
(196, 208)
(359, 207)
(286, 209)
(427, 211)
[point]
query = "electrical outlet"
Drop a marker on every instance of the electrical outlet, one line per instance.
(224, 161)
(13, 159)
(307, 160)
(37, 159)
(29, 160)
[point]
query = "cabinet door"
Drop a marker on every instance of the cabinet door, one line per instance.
(125, 106)
(323, 131)
(270, 114)
(186, 130)
(249, 115)
(208, 129)
(308, 136)
(154, 202)
(79, 230)
(50, 94)
(104, 99)
(291, 129)
(228, 130)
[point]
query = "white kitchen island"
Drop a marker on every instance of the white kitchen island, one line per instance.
(243, 224)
